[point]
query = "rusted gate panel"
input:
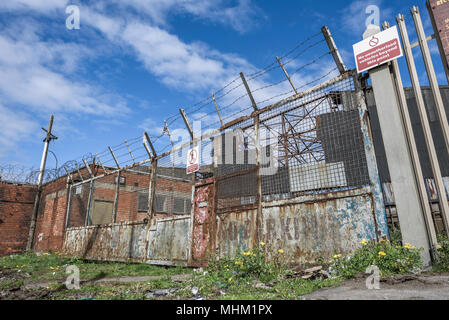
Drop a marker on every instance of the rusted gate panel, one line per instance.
(204, 224)
(112, 242)
(313, 227)
(306, 227)
(168, 241)
(235, 232)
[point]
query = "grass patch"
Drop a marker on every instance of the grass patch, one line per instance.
(442, 261)
(390, 258)
(50, 266)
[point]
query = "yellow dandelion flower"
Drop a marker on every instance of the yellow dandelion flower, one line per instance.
(262, 243)
(230, 279)
(281, 251)
(439, 246)
(364, 242)
(382, 254)
(336, 256)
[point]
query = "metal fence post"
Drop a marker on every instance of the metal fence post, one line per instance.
(427, 134)
(380, 219)
(259, 220)
(399, 160)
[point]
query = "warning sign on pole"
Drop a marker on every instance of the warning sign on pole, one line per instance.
(193, 162)
(377, 49)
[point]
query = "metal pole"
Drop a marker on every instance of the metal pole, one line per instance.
(130, 153)
(253, 102)
(186, 121)
(259, 178)
(216, 107)
(409, 129)
(69, 201)
(113, 156)
(334, 50)
(146, 142)
(116, 198)
(47, 140)
(432, 76)
(89, 201)
(88, 168)
(286, 74)
(442, 196)
(404, 184)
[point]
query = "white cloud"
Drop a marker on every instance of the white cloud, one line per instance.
(240, 17)
(37, 5)
(354, 16)
(28, 77)
(16, 126)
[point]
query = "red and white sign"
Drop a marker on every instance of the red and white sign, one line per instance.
(193, 160)
(377, 49)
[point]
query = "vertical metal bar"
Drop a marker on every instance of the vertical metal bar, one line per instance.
(431, 75)
(152, 188)
(216, 108)
(37, 197)
(433, 156)
(113, 156)
(69, 201)
(89, 202)
(116, 198)
(286, 74)
(334, 50)
(259, 222)
(425, 203)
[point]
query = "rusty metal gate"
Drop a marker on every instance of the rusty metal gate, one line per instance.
(204, 222)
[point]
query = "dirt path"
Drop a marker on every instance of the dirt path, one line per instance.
(422, 287)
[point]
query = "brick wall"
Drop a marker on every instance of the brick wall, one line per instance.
(16, 207)
(50, 224)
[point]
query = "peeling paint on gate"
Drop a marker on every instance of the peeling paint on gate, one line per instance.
(306, 228)
(168, 241)
(112, 242)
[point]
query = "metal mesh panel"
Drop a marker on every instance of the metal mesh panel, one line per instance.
(132, 204)
(310, 144)
(79, 199)
(102, 202)
(173, 190)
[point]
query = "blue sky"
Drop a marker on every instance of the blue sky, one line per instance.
(134, 63)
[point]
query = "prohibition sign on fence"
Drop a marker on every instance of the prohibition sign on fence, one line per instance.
(193, 160)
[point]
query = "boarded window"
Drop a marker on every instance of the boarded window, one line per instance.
(179, 205)
(143, 202)
(159, 203)
(102, 212)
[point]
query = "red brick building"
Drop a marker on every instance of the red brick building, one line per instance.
(16, 207)
(59, 210)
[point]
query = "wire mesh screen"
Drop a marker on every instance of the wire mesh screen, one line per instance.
(173, 189)
(132, 204)
(103, 200)
(79, 200)
(309, 144)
